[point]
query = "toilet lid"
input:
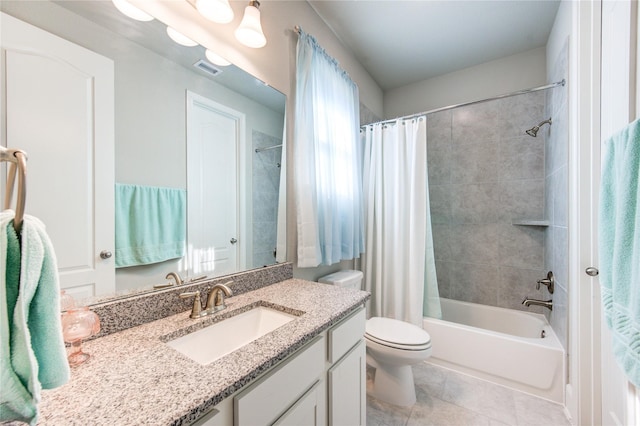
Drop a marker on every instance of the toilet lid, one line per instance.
(398, 334)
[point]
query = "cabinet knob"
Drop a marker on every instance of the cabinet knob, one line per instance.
(105, 254)
(591, 271)
(233, 241)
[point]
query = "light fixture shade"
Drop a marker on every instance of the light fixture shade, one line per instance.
(250, 32)
(216, 59)
(131, 11)
(217, 11)
(180, 38)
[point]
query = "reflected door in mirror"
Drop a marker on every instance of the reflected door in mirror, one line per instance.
(59, 109)
(214, 137)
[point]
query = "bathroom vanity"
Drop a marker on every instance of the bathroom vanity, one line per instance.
(310, 370)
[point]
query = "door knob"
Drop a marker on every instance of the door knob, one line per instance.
(591, 271)
(105, 254)
(233, 241)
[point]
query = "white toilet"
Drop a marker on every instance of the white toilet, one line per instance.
(392, 348)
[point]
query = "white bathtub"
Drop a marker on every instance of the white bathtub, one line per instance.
(500, 345)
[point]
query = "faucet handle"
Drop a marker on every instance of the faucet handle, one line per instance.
(549, 282)
(196, 310)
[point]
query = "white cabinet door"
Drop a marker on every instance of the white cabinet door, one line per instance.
(273, 394)
(347, 389)
(307, 411)
(215, 134)
(59, 102)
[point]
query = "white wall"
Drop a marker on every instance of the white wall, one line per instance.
(559, 33)
(516, 72)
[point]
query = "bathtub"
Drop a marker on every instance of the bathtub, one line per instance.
(500, 345)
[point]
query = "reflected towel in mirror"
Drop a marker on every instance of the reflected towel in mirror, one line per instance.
(150, 224)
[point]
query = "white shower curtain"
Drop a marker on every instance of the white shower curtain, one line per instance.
(399, 264)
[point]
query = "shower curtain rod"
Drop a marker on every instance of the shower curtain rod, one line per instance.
(519, 92)
(268, 148)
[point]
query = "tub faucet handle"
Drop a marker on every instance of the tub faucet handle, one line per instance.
(549, 282)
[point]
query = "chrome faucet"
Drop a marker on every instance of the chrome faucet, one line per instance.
(175, 276)
(546, 303)
(215, 300)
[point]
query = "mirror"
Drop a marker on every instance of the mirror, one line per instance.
(153, 77)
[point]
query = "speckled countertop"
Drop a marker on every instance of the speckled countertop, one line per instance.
(135, 378)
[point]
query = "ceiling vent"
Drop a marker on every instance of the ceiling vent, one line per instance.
(207, 67)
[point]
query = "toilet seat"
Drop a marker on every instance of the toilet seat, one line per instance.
(397, 334)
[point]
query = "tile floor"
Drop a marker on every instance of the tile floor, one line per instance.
(448, 398)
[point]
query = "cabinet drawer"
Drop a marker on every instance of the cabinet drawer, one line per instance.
(345, 335)
(267, 399)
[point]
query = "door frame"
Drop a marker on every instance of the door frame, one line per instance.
(583, 387)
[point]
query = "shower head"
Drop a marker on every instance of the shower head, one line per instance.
(533, 132)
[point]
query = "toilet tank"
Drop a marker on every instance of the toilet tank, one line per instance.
(347, 279)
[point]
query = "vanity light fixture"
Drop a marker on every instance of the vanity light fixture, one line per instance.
(250, 32)
(216, 59)
(131, 11)
(217, 11)
(180, 38)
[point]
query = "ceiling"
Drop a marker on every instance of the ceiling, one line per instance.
(402, 42)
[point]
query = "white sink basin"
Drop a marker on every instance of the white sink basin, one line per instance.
(219, 339)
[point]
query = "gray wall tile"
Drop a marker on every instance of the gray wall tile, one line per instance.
(521, 246)
(474, 162)
(521, 158)
(475, 203)
(474, 244)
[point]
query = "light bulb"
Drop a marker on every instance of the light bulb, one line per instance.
(250, 32)
(217, 11)
(180, 38)
(131, 11)
(216, 59)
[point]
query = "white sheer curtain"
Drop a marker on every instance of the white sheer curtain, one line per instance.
(327, 153)
(399, 266)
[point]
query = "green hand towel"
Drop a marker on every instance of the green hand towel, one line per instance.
(150, 224)
(619, 246)
(32, 350)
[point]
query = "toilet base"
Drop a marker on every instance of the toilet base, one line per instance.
(393, 384)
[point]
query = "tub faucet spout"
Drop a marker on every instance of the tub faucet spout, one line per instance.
(546, 303)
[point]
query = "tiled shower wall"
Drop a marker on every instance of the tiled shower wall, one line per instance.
(556, 194)
(266, 185)
(484, 174)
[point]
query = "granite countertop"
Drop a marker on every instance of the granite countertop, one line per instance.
(135, 378)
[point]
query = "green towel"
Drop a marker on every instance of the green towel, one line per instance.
(619, 246)
(150, 224)
(32, 352)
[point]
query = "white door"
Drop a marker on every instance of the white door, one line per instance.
(618, 105)
(215, 135)
(59, 101)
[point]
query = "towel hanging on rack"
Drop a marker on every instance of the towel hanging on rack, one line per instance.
(619, 246)
(18, 160)
(150, 224)
(32, 351)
